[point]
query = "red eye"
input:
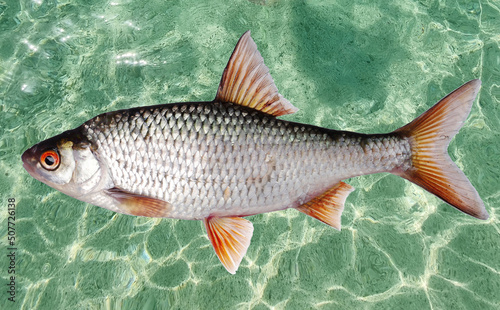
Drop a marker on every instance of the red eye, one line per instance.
(50, 160)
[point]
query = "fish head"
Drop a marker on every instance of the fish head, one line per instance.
(66, 162)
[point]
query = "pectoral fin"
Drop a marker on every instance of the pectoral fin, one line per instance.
(328, 206)
(139, 205)
(230, 237)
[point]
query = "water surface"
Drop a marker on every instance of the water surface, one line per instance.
(369, 66)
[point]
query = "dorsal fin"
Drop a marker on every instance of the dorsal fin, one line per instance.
(246, 81)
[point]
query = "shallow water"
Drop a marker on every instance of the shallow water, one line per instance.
(369, 66)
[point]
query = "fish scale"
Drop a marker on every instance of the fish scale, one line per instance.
(235, 159)
(222, 160)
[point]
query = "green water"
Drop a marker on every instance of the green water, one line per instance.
(368, 66)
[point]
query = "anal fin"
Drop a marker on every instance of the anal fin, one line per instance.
(328, 206)
(230, 237)
(139, 205)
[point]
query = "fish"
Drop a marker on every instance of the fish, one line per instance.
(230, 158)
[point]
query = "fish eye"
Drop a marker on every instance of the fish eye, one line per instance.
(50, 160)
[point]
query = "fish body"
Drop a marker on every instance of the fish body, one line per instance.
(219, 159)
(232, 157)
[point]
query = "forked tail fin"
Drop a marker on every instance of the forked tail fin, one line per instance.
(432, 168)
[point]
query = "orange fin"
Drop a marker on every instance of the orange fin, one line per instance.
(432, 168)
(246, 81)
(134, 204)
(328, 206)
(230, 237)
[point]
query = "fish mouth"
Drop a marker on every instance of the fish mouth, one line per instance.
(29, 161)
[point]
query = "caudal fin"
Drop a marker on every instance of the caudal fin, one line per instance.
(432, 168)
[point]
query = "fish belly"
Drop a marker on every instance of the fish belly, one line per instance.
(219, 159)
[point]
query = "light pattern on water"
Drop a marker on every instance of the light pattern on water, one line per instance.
(368, 66)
